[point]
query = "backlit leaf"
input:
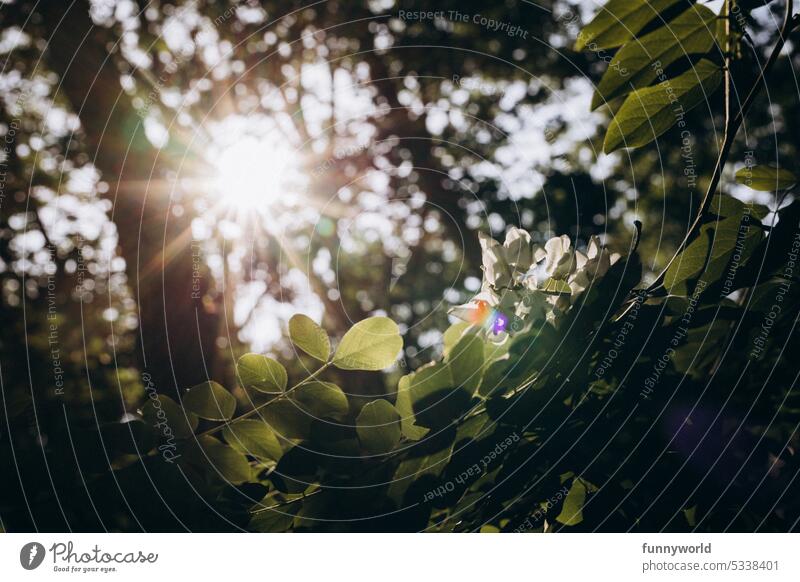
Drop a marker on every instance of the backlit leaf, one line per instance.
(164, 414)
(643, 60)
(378, 427)
(255, 438)
(466, 362)
(211, 401)
(371, 344)
(618, 21)
(309, 337)
(647, 113)
(766, 178)
(261, 373)
(322, 399)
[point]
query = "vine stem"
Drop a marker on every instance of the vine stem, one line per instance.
(281, 396)
(732, 124)
(302, 497)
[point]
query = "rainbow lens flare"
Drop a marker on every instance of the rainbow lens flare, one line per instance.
(489, 318)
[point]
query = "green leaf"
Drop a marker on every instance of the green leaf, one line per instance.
(572, 509)
(287, 419)
(710, 253)
(764, 296)
(466, 362)
(647, 113)
(168, 418)
(228, 463)
(261, 373)
(556, 287)
(620, 20)
(766, 178)
(727, 206)
(378, 427)
(309, 337)
(132, 437)
(643, 60)
(403, 405)
(254, 438)
(452, 334)
(371, 344)
(434, 399)
(322, 400)
(211, 401)
(700, 349)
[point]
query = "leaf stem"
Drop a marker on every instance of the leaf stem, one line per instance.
(732, 125)
(285, 503)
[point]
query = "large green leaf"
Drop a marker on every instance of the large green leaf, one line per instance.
(725, 206)
(309, 337)
(435, 399)
(211, 401)
(287, 419)
(643, 60)
(572, 510)
(403, 404)
(700, 349)
(167, 417)
(649, 112)
(371, 344)
(466, 362)
(231, 465)
(766, 178)
(322, 400)
(255, 438)
(452, 334)
(261, 373)
(378, 427)
(709, 254)
(132, 437)
(620, 20)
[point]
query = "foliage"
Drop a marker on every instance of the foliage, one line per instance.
(567, 395)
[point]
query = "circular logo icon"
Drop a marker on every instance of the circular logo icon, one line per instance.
(31, 555)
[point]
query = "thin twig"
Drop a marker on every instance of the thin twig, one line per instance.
(285, 503)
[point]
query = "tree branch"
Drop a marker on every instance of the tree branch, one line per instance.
(732, 126)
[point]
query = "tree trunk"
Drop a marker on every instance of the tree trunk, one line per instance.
(177, 321)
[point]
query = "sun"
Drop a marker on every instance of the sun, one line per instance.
(254, 174)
